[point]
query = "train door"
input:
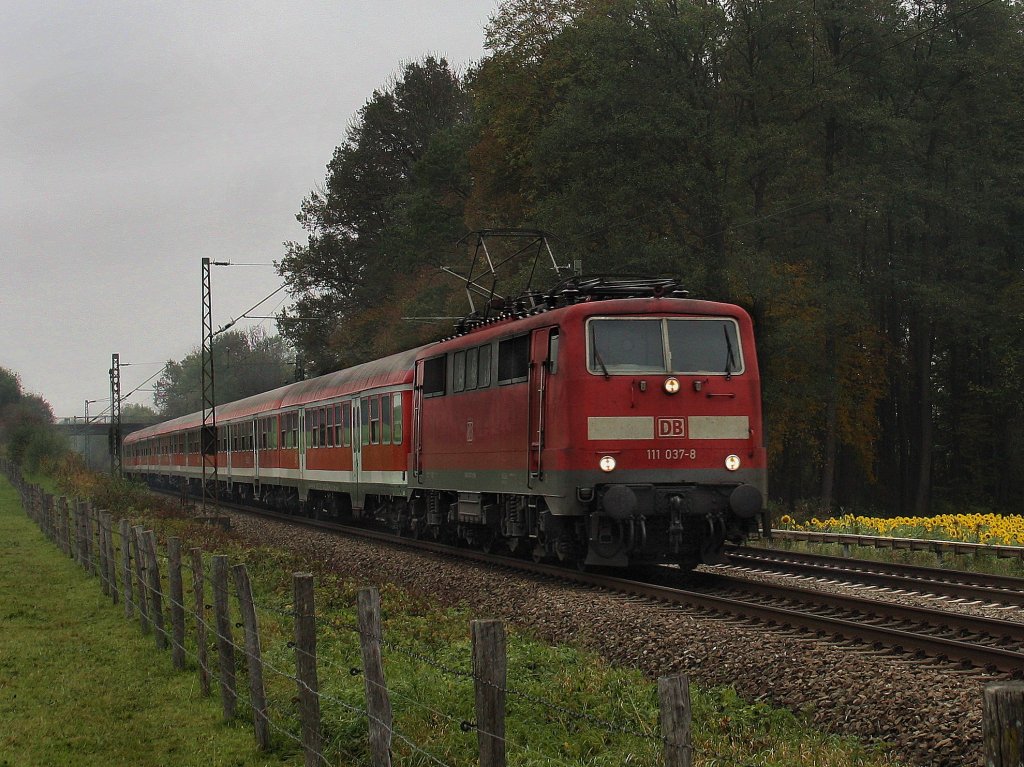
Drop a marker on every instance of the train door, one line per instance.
(357, 452)
(543, 362)
(229, 464)
(417, 424)
(255, 431)
(302, 442)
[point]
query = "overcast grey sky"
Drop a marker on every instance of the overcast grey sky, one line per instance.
(138, 137)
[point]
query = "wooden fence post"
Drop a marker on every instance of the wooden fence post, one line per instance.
(1003, 725)
(88, 562)
(156, 607)
(305, 667)
(674, 694)
(126, 568)
(140, 578)
(97, 544)
(225, 646)
(62, 518)
(101, 553)
(48, 516)
(199, 591)
(79, 534)
(378, 703)
(489, 676)
(177, 599)
(254, 657)
(108, 526)
(58, 524)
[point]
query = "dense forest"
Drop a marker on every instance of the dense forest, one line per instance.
(849, 172)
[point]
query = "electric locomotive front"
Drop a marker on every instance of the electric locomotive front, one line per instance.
(598, 432)
(655, 416)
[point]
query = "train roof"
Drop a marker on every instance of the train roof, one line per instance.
(511, 324)
(387, 371)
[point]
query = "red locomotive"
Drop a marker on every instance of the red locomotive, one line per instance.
(604, 423)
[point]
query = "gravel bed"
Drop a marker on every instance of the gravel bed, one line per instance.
(931, 715)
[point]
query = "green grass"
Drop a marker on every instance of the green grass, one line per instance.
(80, 685)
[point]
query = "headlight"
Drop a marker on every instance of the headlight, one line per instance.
(732, 462)
(671, 385)
(607, 463)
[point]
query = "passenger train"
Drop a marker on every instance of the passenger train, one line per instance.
(607, 424)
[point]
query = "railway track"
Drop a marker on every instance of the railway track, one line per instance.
(931, 635)
(997, 590)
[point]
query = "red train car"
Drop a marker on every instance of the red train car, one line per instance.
(598, 430)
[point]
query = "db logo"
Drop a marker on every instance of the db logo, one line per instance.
(671, 427)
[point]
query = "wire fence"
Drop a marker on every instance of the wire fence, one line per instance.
(279, 689)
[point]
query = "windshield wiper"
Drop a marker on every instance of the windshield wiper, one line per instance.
(604, 368)
(730, 357)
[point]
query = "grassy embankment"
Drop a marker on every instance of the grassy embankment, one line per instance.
(79, 685)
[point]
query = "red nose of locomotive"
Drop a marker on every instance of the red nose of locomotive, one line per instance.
(668, 452)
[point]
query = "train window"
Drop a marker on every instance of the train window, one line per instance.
(284, 431)
(626, 346)
(433, 377)
(330, 425)
(483, 379)
(346, 415)
(374, 420)
(698, 345)
(553, 351)
(364, 426)
(322, 438)
(397, 420)
(472, 374)
(385, 419)
(513, 359)
(459, 371)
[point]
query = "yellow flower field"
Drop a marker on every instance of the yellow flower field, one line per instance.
(970, 528)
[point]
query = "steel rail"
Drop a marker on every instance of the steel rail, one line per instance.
(996, 589)
(902, 544)
(995, 628)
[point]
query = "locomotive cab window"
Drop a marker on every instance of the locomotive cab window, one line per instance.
(688, 345)
(704, 346)
(433, 381)
(626, 346)
(513, 359)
